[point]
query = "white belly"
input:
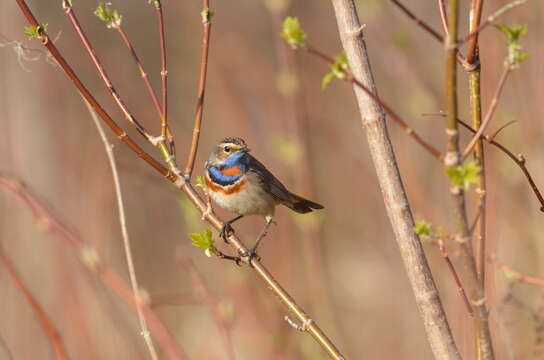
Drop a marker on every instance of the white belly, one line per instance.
(249, 201)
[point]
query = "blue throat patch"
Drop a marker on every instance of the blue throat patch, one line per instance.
(231, 161)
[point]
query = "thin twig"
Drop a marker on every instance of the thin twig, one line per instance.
(165, 128)
(44, 320)
(460, 288)
(141, 69)
(144, 331)
(207, 24)
(518, 159)
(410, 131)
(516, 275)
(459, 56)
(494, 135)
(6, 350)
(491, 18)
(443, 16)
(490, 112)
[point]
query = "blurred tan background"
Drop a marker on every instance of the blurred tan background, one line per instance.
(342, 265)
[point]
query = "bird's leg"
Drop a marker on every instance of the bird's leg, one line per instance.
(253, 251)
(227, 230)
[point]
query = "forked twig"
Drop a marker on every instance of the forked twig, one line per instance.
(491, 18)
(490, 112)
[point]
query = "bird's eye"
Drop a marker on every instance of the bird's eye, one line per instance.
(227, 149)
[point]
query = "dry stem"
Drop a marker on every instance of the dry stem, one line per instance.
(124, 231)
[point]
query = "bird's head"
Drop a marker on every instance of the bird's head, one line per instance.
(228, 152)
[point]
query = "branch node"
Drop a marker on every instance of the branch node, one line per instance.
(294, 325)
(521, 159)
(155, 140)
(354, 33)
(462, 239)
(478, 302)
(451, 158)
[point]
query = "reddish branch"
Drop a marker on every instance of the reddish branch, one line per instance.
(460, 58)
(88, 47)
(518, 159)
(143, 73)
(42, 316)
(206, 16)
(350, 78)
(456, 277)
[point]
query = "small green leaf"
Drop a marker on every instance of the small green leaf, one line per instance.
(109, 16)
(422, 228)
(153, 2)
(207, 14)
(293, 33)
(35, 31)
(465, 174)
(338, 70)
(200, 182)
(513, 35)
(203, 240)
(513, 32)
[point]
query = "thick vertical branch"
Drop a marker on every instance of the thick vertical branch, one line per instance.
(398, 209)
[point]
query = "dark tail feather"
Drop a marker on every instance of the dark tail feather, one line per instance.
(301, 205)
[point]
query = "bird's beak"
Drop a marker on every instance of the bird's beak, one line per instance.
(246, 150)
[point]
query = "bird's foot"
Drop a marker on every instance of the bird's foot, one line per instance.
(226, 231)
(250, 255)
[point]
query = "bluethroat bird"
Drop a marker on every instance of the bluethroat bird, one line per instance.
(239, 183)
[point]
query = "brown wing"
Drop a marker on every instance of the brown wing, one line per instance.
(268, 181)
(278, 191)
